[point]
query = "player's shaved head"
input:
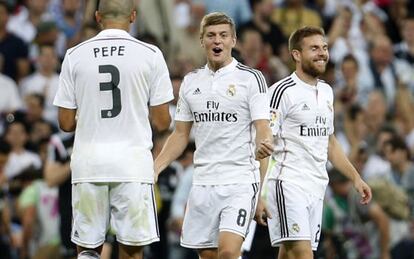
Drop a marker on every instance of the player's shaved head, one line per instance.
(116, 9)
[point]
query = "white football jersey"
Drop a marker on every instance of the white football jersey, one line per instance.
(111, 80)
(222, 106)
(302, 119)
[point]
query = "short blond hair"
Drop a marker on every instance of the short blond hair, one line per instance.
(216, 18)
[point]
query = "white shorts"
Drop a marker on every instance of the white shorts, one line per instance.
(215, 208)
(296, 215)
(129, 208)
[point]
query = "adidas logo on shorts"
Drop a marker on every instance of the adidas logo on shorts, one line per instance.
(305, 107)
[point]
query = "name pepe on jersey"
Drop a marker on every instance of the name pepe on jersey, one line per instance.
(106, 51)
(213, 114)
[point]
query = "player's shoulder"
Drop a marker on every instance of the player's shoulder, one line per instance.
(324, 86)
(284, 84)
(249, 72)
(194, 74)
(98, 39)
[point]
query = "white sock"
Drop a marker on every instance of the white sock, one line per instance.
(88, 254)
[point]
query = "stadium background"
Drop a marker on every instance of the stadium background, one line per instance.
(371, 71)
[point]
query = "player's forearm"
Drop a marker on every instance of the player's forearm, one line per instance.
(263, 131)
(264, 163)
(173, 148)
(340, 161)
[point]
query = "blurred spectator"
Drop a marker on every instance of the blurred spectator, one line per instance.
(10, 100)
(37, 207)
(33, 112)
(57, 174)
(402, 169)
(346, 224)
(17, 136)
(178, 204)
(47, 34)
(271, 33)
(188, 38)
(13, 50)
(29, 16)
(156, 18)
(396, 11)
(405, 49)
(238, 10)
(68, 16)
(294, 15)
(383, 71)
(44, 81)
(5, 212)
(377, 166)
(253, 54)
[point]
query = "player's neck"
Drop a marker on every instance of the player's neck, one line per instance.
(310, 80)
(214, 66)
(115, 25)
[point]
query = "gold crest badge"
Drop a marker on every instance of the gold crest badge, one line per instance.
(231, 91)
(295, 227)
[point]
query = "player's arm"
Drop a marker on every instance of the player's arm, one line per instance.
(264, 139)
(174, 146)
(340, 161)
(67, 119)
(160, 117)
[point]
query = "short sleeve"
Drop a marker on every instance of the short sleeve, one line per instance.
(160, 84)
(183, 111)
(65, 96)
(258, 101)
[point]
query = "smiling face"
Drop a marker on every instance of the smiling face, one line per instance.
(313, 56)
(218, 41)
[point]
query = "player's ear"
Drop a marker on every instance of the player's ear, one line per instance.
(295, 55)
(98, 17)
(133, 16)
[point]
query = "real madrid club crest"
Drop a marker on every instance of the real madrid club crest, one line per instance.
(231, 91)
(273, 117)
(295, 227)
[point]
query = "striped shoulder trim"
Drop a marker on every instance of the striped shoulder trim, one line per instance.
(257, 74)
(279, 90)
(135, 41)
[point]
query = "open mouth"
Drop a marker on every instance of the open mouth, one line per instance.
(217, 50)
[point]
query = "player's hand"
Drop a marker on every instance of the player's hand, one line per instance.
(364, 190)
(264, 149)
(262, 213)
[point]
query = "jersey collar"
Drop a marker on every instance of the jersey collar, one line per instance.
(228, 68)
(113, 32)
(300, 82)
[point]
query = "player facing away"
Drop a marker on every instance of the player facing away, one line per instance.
(110, 86)
(302, 119)
(225, 104)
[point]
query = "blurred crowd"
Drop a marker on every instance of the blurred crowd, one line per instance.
(371, 71)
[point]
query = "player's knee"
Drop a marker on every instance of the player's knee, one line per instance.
(228, 254)
(89, 254)
(298, 250)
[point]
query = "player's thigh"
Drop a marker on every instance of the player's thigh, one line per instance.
(201, 219)
(229, 245)
(239, 206)
(289, 206)
(90, 210)
(133, 213)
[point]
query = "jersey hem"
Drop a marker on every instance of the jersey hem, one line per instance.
(198, 246)
(112, 180)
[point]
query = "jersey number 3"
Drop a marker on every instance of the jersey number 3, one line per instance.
(111, 86)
